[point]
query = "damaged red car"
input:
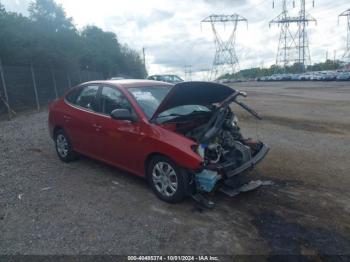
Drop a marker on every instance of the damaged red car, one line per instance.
(184, 138)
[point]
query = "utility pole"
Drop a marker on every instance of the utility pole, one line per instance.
(225, 59)
(144, 56)
(346, 55)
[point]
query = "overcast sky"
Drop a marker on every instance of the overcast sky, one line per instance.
(171, 33)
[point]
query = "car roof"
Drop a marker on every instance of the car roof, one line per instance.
(128, 83)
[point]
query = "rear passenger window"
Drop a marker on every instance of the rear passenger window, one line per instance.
(87, 98)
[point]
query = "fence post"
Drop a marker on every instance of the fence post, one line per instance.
(34, 86)
(5, 90)
(54, 82)
(69, 81)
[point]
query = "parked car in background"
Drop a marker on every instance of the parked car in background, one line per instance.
(228, 81)
(166, 78)
(294, 77)
(330, 75)
(316, 76)
(184, 138)
(305, 76)
(343, 76)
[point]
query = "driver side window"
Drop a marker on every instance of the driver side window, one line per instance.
(112, 99)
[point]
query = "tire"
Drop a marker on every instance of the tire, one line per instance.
(162, 175)
(64, 147)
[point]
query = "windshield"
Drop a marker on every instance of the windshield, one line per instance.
(149, 98)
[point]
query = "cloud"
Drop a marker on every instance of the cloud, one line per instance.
(141, 21)
(20, 6)
(171, 33)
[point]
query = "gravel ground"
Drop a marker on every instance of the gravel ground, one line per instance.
(87, 207)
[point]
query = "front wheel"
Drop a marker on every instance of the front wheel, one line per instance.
(168, 181)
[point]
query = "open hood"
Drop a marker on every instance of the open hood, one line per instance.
(194, 93)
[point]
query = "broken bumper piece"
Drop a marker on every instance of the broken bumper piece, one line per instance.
(230, 171)
(252, 185)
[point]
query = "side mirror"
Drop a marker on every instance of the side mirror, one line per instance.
(123, 114)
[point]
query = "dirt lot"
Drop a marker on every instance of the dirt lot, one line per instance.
(86, 207)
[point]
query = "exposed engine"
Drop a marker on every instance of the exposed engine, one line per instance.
(227, 143)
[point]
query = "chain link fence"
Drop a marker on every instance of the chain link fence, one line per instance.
(27, 87)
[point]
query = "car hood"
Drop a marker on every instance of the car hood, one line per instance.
(194, 93)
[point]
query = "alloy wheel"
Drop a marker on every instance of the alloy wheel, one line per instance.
(165, 179)
(62, 145)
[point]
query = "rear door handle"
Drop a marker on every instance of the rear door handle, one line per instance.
(67, 118)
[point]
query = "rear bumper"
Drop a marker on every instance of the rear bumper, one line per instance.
(229, 171)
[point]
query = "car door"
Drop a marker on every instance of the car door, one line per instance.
(80, 117)
(119, 139)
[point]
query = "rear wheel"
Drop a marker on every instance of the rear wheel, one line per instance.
(168, 181)
(64, 147)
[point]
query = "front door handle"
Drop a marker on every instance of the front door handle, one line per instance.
(98, 127)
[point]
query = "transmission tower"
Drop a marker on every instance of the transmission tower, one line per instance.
(225, 59)
(304, 18)
(286, 44)
(300, 40)
(346, 56)
(188, 72)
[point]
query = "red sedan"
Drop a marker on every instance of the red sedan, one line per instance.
(183, 138)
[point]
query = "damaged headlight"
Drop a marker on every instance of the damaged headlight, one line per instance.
(199, 149)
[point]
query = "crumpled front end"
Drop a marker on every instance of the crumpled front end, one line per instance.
(211, 124)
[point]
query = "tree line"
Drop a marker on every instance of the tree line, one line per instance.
(48, 38)
(296, 68)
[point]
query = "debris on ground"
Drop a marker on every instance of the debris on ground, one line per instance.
(46, 188)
